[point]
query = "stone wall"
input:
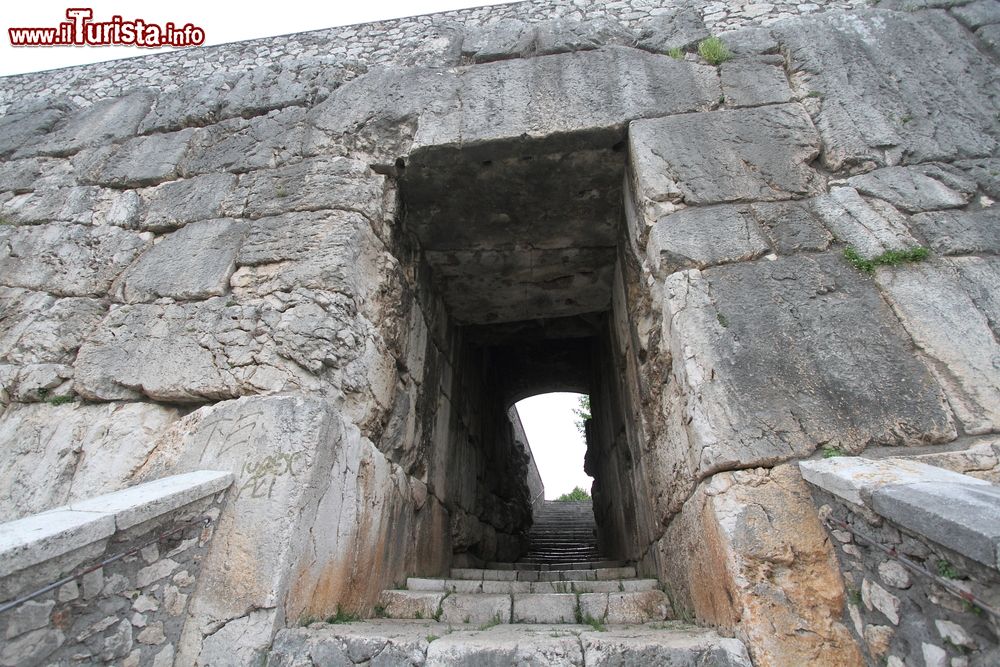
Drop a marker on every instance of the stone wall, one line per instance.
(909, 542)
(128, 610)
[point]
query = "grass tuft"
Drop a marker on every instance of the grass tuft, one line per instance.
(343, 617)
(713, 51)
(947, 570)
(677, 53)
(495, 621)
(61, 400)
(431, 638)
(832, 452)
(888, 258)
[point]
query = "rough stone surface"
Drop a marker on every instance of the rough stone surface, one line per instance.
(792, 226)
(749, 83)
(195, 262)
(947, 326)
(867, 225)
(67, 260)
(724, 156)
(915, 189)
(960, 232)
(887, 95)
(837, 382)
(704, 236)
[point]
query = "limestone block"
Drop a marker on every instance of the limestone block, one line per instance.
(748, 553)
(990, 36)
(918, 188)
(751, 40)
(871, 227)
(723, 156)
(677, 28)
(37, 328)
(105, 121)
(194, 262)
(41, 537)
(67, 260)
(751, 83)
(978, 14)
(80, 204)
(266, 88)
(476, 609)
(18, 130)
(567, 35)
(984, 172)
(704, 236)
(174, 204)
(410, 604)
(654, 645)
(193, 104)
(960, 232)
(51, 454)
(507, 645)
(36, 173)
(839, 369)
(327, 249)
(31, 648)
(239, 145)
(545, 608)
(901, 104)
(981, 461)
(791, 226)
(946, 325)
(980, 278)
(507, 38)
(218, 348)
(356, 643)
(310, 185)
(137, 162)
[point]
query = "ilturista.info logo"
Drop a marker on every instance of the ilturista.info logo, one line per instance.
(82, 30)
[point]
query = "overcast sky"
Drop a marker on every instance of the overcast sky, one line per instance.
(557, 445)
(220, 22)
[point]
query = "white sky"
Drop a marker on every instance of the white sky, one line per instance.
(558, 447)
(222, 22)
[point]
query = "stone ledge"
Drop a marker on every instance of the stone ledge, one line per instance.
(952, 509)
(41, 537)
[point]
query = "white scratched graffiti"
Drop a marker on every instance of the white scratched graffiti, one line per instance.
(258, 477)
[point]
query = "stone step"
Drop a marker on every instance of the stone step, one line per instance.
(586, 564)
(493, 586)
(587, 574)
(615, 608)
(410, 643)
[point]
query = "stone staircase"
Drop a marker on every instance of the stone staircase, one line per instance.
(562, 533)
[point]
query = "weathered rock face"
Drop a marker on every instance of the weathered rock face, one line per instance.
(333, 279)
(756, 533)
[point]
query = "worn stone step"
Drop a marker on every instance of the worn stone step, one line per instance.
(588, 574)
(411, 643)
(583, 564)
(492, 586)
(630, 607)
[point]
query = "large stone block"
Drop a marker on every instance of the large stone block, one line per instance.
(194, 262)
(327, 249)
(889, 95)
(219, 348)
(704, 236)
(871, 227)
(838, 369)
(980, 277)
(68, 260)
(105, 121)
(946, 325)
(323, 499)
(174, 204)
(137, 162)
(83, 204)
(748, 553)
(238, 145)
(725, 156)
(50, 455)
(18, 130)
(960, 232)
(918, 188)
(37, 328)
(792, 226)
(676, 28)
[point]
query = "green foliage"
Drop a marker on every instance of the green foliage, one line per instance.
(61, 400)
(722, 320)
(582, 412)
(577, 494)
(854, 596)
(440, 609)
(676, 53)
(280, 191)
(831, 452)
(431, 638)
(946, 569)
(307, 620)
(380, 611)
(593, 622)
(491, 623)
(343, 617)
(888, 258)
(814, 93)
(713, 51)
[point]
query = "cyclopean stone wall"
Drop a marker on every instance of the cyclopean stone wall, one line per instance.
(333, 278)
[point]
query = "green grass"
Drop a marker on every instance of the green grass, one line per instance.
(575, 495)
(713, 51)
(495, 621)
(440, 609)
(343, 617)
(722, 320)
(947, 570)
(888, 258)
(677, 53)
(593, 622)
(814, 93)
(431, 638)
(61, 400)
(832, 452)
